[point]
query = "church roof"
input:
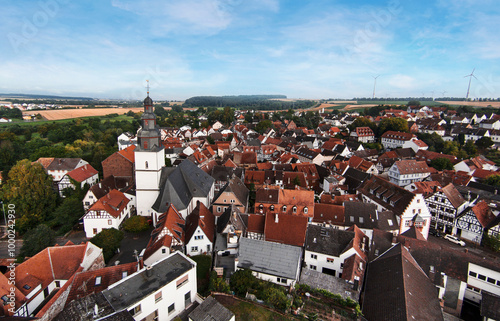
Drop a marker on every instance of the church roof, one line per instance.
(180, 184)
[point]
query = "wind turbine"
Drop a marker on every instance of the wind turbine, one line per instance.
(443, 92)
(470, 79)
(374, 84)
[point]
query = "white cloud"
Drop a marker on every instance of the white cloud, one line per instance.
(402, 81)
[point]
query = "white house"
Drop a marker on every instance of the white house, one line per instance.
(328, 249)
(445, 204)
(474, 221)
(58, 167)
(393, 139)
(85, 174)
(167, 236)
(270, 261)
(200, 231)
(408, 171)
(157, 292)
(480, 279)
(125, 140)
(363, 135)
(108, 212)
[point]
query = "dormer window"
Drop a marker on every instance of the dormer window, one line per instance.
(98, 280)
(306, 210)
(295, 209)
(271, 207)
(284, 208)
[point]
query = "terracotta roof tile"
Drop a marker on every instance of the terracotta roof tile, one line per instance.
(82, 173)
(284, 228)
(112, 203)
(128, 153)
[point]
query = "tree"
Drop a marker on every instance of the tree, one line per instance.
(136, 224)
(484, 142)
(394, 123)
(493, 180)
(263, 125)
(241, 281)
(470, 148)
(441, 163)
(415, 103)
(109, 241)
(363, 122)
(66, 215)
(177, 109)
(276, 298)
(296, 181)
(36, 240)
(29, 188)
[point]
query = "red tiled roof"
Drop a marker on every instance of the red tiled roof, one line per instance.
(203, 218)
(128, 153)
(329, 213)
(483, 213)
(84, 283)
(397, 135)
(82, 173)
(287, 229)
(256, 223)
(113, 203)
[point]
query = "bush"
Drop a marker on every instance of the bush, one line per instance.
(217, 284)
(109, 241)
(136, 224)
(276, 298)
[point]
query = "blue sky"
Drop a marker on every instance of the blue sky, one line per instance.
(302, 49)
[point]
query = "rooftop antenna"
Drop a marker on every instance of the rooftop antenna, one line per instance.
(470, 78)
(147, 86)
(374, 84)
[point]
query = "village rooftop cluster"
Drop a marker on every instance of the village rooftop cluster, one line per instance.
(293, 205)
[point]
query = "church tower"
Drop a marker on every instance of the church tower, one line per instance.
(149, 160)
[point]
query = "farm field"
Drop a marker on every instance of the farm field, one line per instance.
(495, 104)
(58, 114)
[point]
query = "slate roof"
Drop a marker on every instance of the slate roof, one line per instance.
(211, 310)
(180, 184)
(327, 240)
(397, 198)
(272, 258)
(490, 305)
(63, 164)
(396, 288)
(140, 285)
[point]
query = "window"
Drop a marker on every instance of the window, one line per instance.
(124, 274)
(306, 210)
(312, 267)
(490, 280)
(351, 218)
(232, 201)
(329, 260)
(271, 207)
(110, 222)
(294, 209)
(171, 308)
(314, 256)
(158, 297)
(87, 203)
(5, 299)
(481, 277)
(182, 281)
(163, 251)
(94, 231)
(225, 201)
(341, 265)
(284, 208)
(194, 249)
(218, 209)
(282, 280)
(361, 220)
(97, 280)
(198, 237)
(136, 310)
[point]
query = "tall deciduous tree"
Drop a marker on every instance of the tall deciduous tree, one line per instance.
(36, 240)
(29, 188)
(394, 123)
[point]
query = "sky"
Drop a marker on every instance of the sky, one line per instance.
(302, 49)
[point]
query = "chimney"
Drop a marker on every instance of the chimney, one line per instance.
(149, 271)
(100, 185)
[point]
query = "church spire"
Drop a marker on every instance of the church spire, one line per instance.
(148, 136)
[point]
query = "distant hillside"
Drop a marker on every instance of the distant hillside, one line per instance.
(30, 96)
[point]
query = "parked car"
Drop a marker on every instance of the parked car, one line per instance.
(454, 239)
(435, 232)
